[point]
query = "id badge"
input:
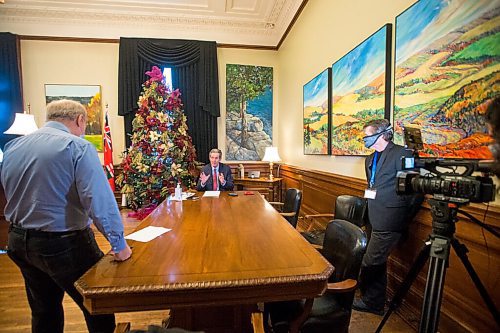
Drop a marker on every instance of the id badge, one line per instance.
(370, 193)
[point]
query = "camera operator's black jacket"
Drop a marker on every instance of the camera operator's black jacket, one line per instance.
(389, 211)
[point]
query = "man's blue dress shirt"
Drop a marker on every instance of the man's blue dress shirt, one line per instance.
(54, 181)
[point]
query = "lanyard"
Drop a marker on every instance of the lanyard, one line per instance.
(374, 168)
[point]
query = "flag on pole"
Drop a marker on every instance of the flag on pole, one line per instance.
(108, 154)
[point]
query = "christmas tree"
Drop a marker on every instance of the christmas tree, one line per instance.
(162, 153)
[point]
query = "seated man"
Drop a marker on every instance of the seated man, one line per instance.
(215, 176)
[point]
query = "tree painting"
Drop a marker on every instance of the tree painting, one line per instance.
(447, 73)
(248, 111)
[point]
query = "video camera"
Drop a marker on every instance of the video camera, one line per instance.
(450, 185)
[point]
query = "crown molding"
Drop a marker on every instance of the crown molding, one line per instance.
(104, 23)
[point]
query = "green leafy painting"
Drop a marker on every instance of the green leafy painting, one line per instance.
(249, 111)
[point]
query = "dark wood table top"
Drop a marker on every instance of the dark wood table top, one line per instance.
(220, 251)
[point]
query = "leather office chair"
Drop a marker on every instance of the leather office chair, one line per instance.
(290, 208)
(344, 247)
(347, 207)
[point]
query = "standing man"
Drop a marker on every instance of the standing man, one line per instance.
(54, 183)
(493, 123)
(215, 176)
(388, 213)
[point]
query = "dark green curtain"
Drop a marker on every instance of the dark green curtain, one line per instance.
(194, 73)
(11, 100)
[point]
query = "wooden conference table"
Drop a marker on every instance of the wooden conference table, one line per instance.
(223, 251)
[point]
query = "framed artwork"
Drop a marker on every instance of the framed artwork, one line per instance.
(249, 112)
(317, 101)
(447, 73)
(90, 97)
(361, 82)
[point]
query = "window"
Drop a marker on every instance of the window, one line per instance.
(167, 73)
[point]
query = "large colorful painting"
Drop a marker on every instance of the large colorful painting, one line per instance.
(360, 91)
(447, 72)
(90, 97)
(249, 111)
(317, 101)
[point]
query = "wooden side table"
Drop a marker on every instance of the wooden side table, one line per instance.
(264, 185)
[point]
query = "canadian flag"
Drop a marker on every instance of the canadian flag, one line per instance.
(108, 154)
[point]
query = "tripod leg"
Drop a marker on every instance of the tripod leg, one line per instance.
(461, 251)
(406, 284)
(433, 295)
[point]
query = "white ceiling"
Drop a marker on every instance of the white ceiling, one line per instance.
(241, 22)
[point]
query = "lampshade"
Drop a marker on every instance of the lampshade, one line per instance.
(23, 124)
(271, 155)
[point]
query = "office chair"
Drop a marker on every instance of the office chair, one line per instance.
(290, 208)
(344, 247)
(347, 207)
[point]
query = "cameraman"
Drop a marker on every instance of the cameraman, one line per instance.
(493, 119)
(388, 213)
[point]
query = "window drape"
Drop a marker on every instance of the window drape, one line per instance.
(11, 97)
(194, 73)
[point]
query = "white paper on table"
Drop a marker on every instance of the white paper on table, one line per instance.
(211, 194)
(185, 196)
(147, 234)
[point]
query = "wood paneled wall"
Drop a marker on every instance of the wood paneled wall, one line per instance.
(462, 308)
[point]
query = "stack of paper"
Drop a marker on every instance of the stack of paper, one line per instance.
(185, 195)
(211, 194)
(147, 234)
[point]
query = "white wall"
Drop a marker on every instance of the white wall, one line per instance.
(324, 32)
(49, 62)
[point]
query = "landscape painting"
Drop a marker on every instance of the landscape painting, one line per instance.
(90, 97)
(249, 112)
(447, 73)
(316, 114)
(360, 92)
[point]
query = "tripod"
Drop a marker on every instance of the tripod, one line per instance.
(437, 248)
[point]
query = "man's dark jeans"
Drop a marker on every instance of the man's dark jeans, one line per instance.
(373, 275)
(50, 264)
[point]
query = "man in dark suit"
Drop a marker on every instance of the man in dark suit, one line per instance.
(493, 122)
(388, 212)
(215, 176)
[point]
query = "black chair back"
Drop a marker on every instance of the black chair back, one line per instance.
(351, 208)
(344, 247)
(293, 200)
(347, 207)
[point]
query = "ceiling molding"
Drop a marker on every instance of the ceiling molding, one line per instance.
(116, 41)
(262, 23)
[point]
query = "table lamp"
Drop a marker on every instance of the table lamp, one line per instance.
(271, 155)
(24, 124)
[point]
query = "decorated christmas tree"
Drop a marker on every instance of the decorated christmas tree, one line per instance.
(162, 153)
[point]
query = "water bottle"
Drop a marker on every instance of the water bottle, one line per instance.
(178, 192)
